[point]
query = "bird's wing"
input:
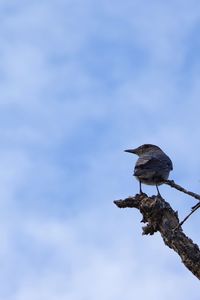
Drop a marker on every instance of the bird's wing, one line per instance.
(155, 164)
(170, 164)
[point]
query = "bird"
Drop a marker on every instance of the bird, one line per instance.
(152, 167)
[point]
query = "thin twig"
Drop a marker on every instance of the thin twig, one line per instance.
(196, 206)
(181, 189)
(192, 194)
(193, 210)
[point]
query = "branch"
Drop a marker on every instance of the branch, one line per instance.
(159, 216)
(181, 189)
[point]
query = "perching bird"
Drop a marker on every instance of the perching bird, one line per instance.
(153, 165)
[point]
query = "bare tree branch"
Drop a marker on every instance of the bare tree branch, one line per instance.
(159, 216)
(181, 189)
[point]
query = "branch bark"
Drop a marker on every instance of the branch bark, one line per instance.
(159, 216)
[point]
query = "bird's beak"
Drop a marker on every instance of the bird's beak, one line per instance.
(131, 151)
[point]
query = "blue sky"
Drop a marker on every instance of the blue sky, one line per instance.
(80, 82)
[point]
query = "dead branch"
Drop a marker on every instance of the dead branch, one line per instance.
(181, 189)
(159, 216)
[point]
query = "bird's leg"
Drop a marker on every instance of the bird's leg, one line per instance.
(158, 191)
(141, 188)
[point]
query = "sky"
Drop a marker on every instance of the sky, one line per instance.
(80, 82)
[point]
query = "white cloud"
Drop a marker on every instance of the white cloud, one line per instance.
(63, 79)
(77, 266)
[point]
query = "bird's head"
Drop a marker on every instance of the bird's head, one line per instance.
(143, 149)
